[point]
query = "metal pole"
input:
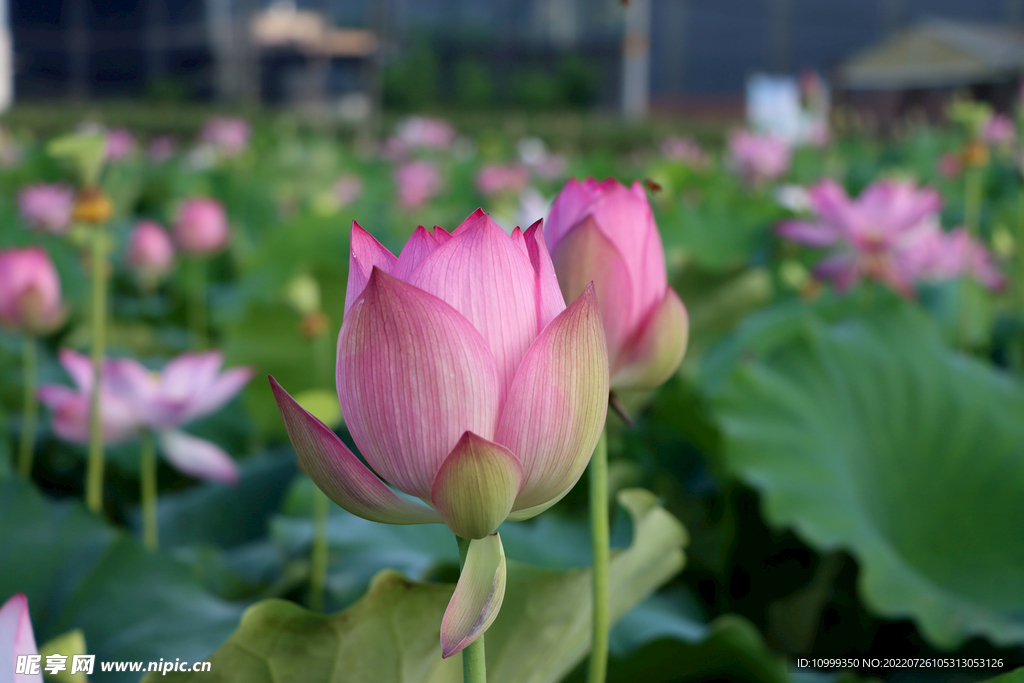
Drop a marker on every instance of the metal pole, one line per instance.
(636, 60)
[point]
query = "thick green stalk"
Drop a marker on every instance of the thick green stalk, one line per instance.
(599, 535)
(30, 411)
(474, 661)
(197, 303)
(318, 556)
(94, 473)
(147, 469)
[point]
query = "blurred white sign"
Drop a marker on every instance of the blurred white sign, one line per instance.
(775, 105)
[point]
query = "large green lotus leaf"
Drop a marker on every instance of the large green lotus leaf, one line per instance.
(872, 436)
(393, 632)
(78, 572)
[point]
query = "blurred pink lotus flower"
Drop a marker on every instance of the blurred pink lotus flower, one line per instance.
(17, 638)
(465, 382)
(228, 135)
(759, 157)
(422, 132)
(47, 207)
(161, 148)
(348, 189)
(999, 131)
(534, 155)
(150, 252)
(202, 226)
(417, 182)
(950, 165)
(685, 150)
(494, 179)
(605, 232)
(30, 295)
(890, 233)
(189, 387)
(70, 406)
(120, 144)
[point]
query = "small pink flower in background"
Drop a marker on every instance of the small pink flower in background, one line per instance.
(30, 294)
(150, 252)
(604, 232)
(418, 181)
(492, 179)
(534, 155)
(759, 157)
(70, 406)
(228, 135)
(999, 131)
(424, 132)
(348, 189)
(17, 638)
(495, 394)
(120, 144)
(890, 233)
(950, 165)
(161, 148)
(685, 150)
(201, 227)
(47, 207)
(189, 387)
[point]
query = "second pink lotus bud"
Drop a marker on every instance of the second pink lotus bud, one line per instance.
(605, 233)
(30, 298)
(202, 226)
(150, 253)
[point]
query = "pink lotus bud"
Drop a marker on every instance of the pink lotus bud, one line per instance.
(70, 406)
(999, 131)
(228, 135)
(120, 144)
(150, 252)
(759, 157)
(494, 179)
(417, 182)
(605, 233)
(29, 291)
(47, 207)
(466, 383)
(17, 638)
(202, 226)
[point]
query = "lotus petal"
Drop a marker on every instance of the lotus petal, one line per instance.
(651, 358)
(197, 457)
(366, 253)
(478, 595)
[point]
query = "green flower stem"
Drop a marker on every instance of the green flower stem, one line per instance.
(318, 556)
(27, 446)
(98, 266)
(147, 469)
(972, 200)
(474, 663)
(1017, 358)
(599, 535)
(197, 303)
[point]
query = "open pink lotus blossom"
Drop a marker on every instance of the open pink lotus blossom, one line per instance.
(890, 233)
(605, 232)
(999, 131)
(494, 179)
(70, 406)
(466, 383)
(17, 638)
(150, 252)
(202, 226)
(30, 297)
(417, 182)
(134, 398)
(759, 157)
(120, 144)
(47, 207)
(227, 135)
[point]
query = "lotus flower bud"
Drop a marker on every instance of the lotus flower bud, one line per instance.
(229, 136)
(465, 382)
(202, 226)
(30, 297)
(150, 252)
(758, 157)
(120, 144)
(17, 639)
(47, 207)
(417, 182)
(605, 233)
